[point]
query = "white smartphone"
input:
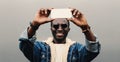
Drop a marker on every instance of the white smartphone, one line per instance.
(61, 13)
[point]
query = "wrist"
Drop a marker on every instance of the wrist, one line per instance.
(34, 25)
(85, 29)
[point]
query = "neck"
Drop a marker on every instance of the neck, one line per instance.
(59, 41)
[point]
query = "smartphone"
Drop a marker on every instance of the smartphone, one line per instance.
(61, 13)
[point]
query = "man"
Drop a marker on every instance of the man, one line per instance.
(58, 48)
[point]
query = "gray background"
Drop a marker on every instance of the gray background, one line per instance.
(102, 15)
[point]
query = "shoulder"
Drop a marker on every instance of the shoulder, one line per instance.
(39, 44)
(78, 46)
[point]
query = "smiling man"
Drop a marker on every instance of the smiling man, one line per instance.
(59, 48)
(60, 29)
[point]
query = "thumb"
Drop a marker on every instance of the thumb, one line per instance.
(71, 19)
(50, 19)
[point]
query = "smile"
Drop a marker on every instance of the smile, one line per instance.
(59, 34)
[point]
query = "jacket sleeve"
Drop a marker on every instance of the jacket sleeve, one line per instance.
(26, 45)
(89, 51)
(84, 55)
(93, 46)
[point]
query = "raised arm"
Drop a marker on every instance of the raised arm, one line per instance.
(41, 17)
(92, 47)
(80, 20)
(92, 42)
(27, 38)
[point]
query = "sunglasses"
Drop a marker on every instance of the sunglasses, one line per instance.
(63, 26)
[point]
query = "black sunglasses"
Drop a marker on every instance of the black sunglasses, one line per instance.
(62, 26)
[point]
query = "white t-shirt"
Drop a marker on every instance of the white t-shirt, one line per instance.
(60, 51)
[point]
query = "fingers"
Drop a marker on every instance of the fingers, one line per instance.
(76, 13)
(44, 12)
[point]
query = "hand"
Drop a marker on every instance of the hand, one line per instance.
(41, 17)
(79, 19)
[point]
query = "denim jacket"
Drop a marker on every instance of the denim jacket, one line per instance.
(38, 51)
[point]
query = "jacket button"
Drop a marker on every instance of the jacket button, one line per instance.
(43, 56)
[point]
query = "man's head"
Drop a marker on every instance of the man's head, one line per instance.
(60, 29)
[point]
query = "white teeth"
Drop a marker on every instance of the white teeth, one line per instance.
(59, 34)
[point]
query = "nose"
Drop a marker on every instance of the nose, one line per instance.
(60, 28)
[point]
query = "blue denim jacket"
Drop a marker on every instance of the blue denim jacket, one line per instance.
(40, 52)
(37, 51)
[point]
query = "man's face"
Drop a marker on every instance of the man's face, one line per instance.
(60, 29)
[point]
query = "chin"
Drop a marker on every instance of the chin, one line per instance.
(60, 39)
